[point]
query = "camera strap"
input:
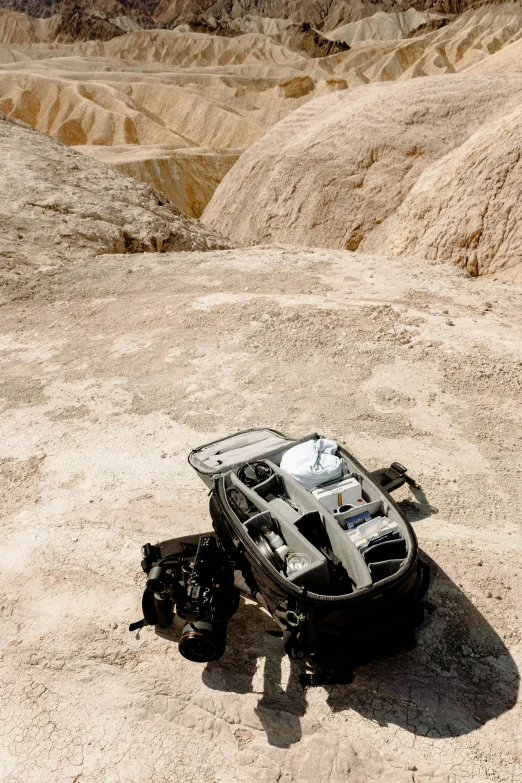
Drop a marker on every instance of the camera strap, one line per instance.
(139, 624)
(294, 643)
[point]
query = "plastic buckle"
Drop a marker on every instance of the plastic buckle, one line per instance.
(393, 477)
(149, 555)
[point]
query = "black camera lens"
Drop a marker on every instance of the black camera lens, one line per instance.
(201, 643)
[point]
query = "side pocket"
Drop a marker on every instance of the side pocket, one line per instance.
(384, 569)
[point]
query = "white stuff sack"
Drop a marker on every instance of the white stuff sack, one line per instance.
(313, 463)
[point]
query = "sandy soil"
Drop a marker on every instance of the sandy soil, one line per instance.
(111, 371)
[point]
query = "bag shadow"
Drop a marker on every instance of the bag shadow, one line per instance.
(459, 676)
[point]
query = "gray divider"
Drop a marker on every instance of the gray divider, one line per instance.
(341, 544)
(283, 510)
(315, 576)
(347, 552)
(270, 487)
(385, 509)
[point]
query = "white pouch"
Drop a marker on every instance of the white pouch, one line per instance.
(313, 463)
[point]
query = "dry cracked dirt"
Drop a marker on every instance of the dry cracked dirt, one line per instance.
(112, 369)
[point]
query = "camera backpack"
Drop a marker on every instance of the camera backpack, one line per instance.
(301, 526)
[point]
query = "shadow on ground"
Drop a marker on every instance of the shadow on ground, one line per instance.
(249, 646)
(459, 677)
(419, 508)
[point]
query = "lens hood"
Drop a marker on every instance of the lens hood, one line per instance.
(201, 642)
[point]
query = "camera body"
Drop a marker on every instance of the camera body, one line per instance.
(198, 586)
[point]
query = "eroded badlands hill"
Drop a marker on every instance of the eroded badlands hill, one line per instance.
(172, 91)
(58, 206)
(323, 14)
(372, 169)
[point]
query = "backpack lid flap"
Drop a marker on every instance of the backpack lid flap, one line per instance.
(232, 451)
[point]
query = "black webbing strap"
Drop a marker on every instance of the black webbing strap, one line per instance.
(293, 645)
(139, 624)
(425, 574)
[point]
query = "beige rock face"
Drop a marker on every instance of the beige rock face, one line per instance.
(58, 206)
(295, 87)
(215, 94)
(333, 172)
(508, 58)
(81, 112)
(380, 27)
(187, 177)
(22, 29)
(251, 23)
(192, 49)
(466, 207)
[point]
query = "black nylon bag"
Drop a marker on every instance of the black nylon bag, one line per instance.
(335, 633)
(380, 604)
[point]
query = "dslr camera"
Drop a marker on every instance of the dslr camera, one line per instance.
(197, 585)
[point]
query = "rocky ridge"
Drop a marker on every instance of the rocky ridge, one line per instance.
(176, 108)
(72, 207)
(325, 15)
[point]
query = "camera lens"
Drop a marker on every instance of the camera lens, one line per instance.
(296, 562)
(266, 550)
(200, 643)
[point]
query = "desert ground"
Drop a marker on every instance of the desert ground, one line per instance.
(112, 371)
(355, 272)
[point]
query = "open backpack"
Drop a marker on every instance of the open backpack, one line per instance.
(301, 526)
